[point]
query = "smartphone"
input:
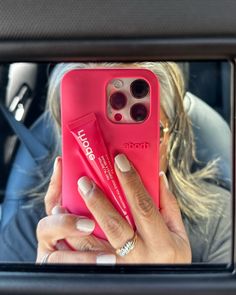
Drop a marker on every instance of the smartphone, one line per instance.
(105, 112)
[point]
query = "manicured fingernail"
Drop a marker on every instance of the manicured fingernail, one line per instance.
(62, 245)
(58, 210)
(122, 163)
(86, 186)
(163, 175)
(106, 259)
(55, 164)
(85, 225)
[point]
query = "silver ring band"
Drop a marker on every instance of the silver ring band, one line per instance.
(128, 246)
(45, 258)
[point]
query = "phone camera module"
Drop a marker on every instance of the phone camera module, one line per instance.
(118, 117)
(118, 83)
(139, 88)
(138, 112)
(118, 100)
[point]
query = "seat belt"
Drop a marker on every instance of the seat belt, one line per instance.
(36, 149)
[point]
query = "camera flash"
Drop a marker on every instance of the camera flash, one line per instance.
(118, 83)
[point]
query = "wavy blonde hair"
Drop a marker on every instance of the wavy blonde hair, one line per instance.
(195, 199)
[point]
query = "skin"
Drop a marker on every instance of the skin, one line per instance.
(161, 236)
(164, 142)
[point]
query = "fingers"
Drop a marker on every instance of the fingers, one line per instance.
(147, 217)
(169, 208)
(115, 227)
(61, 226)
(53, 195)
(65, 257)
(85, 243)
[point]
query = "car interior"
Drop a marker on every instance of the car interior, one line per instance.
(25, 104)
(31, 47)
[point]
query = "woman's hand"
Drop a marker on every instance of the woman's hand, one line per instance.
(160, 234)
(62, 235)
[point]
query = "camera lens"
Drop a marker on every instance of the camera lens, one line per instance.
(118, 100)
(139, 88)
(138, 112)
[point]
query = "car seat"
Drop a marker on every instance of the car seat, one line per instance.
(213, 140)
(29, 168)
(212, 137)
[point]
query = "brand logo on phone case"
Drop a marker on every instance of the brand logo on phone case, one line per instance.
(85, 143)
(136, 145)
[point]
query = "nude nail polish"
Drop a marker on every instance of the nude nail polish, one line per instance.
(122, 163)
(85, 225)
(58, 210)
(55, 164)
(163, 175)
(106, 259)
(86, 186)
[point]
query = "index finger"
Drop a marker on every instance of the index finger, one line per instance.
(53, 195)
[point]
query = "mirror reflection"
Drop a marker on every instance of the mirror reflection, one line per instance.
(190, 222)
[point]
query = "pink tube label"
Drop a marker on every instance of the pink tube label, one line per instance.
(89, 137)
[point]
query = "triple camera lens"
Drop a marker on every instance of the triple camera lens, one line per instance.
(139, 89)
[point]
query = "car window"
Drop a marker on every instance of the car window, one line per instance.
(195, 142)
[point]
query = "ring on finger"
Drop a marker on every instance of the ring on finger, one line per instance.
(127, 247)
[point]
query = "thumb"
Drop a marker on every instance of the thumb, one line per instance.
(53, 195)
(169, 208)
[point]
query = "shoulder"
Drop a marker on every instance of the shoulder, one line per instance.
(210, 238)
(18, 239)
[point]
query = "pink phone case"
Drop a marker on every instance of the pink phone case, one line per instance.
(83, 92)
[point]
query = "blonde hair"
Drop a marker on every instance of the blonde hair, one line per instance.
(195, 199)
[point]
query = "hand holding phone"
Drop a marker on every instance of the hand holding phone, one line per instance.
(106, 112)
